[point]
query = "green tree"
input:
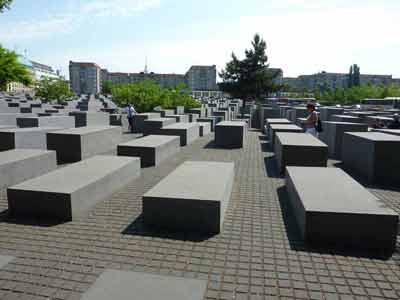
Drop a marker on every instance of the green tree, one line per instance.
(146, 95)
(250, 78)
(5, 4)
(354, 76)
(106, 87)
(53, 89)
(11, 70)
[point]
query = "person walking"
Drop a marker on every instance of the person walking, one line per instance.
(312, 120)
(131, 112)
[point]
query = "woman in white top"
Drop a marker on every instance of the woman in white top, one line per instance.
(311, 120)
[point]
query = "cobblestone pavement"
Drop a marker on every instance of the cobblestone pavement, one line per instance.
(259, 254)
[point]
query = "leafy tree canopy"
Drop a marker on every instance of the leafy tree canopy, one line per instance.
(106, 87)
(5, 4)
(251, 77)
(146, 95)
(11, 70)
(53, 89)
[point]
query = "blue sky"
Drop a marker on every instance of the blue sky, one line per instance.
(303, 36)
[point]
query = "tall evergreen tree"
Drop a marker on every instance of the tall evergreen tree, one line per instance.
(354, 76)
(250, 78)
(5, 4)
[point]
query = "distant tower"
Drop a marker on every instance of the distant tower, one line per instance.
(146, 71)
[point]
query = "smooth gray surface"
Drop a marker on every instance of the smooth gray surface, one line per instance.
(333, 133)
(24, 138)
(273, 128)
(152, 149)
(139, 119)
(331, 207)
(85, 118)
(22, 164)
(299, 149)
(389, 131)
(123, 285)
(231, 134)
(75, 144)
(188, 132)
(372, 155)
(326, 113)
(179, 118)
(52, 121)
(345, 118)
(192, 198)
(153, 125)
(205, 128)
(5, 260)
(68, 192)
(269, 122)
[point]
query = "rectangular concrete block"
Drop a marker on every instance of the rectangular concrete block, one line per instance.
(193, 117)
(22, 164)
(86, 118)
(152, 149)
(179, 110)
(333, 135)
(299, 149)
(188, 132)
(274, 128)
(212, 120)
(121, 285)
(205, 128)
(221, 114)
(268, 113)
(139, 119)
(166, 112)
(346, 118)
(193, 198)
(179, 118)
(25, 138)
(10, 119)
(326, 113)
(199, 111)
(389, 131)
(69, 192)
(231, 134)
(269, 122)
(332, 208)
(76, 144)
(372, 155)
(52, 121)
(153, 125)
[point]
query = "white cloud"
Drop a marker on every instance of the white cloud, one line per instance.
(124, 8)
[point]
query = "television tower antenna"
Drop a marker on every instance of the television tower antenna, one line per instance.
(146, 71)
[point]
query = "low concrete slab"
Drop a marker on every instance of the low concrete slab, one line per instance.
(192, 198)
(231, 134)
(299, 149)
(373, 156)
(139, 119)
(152, 149)
(25, 138)
(274, 128)
(389, 131)
(52, 121)
(179, 118)
(332, 208)
(85, 118)
(153, 125)
(21, 164)
(75, 144)
(122, 285)
(69, 192)
(346, 118)
(269, 122)
(205, 128)
(188, 132)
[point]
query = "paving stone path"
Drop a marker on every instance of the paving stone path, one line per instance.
(259, 254)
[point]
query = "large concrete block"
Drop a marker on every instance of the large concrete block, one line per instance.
(75, 144)
(333, 132)
(205, 128)
(268, 113)
(389, 131)
(212, 120)
(179, 110)
(152, 149)
(124, 285)
(373, 156)
(332, 208)
(299, 149)
(167, 112)
(192, 198)
(222, 114)
(139, 119)
(52, 121)
(188, 132)
(153, 125)
(231, 134)
(179, 118)
(345, 118)
(274, 128)
(193, 117)
(25, 138)
(326, 113)
(19, 165)
(85, 118)
(10, 118)
(68, 192)
(199, 111)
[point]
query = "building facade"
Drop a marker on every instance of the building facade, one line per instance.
(164, 80)
(85, 78)
(202, 78)
(325, 80)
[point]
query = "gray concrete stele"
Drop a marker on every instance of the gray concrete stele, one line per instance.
(193, 198)
(231, 134)
(331, 208)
